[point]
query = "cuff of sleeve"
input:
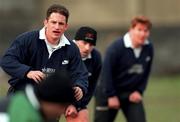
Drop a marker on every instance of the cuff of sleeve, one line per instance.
(26, 70)
(82, 88)
(111, 94)
(140, 91)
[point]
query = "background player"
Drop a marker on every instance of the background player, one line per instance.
(125, 74)
(85, 39)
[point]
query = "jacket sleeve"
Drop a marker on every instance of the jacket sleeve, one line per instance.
(79, 73)
(146, 74)
(107, 71)
(13, 60)
(93, 80)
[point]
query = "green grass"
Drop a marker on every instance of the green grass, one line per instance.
(3, 84)
(161, 99)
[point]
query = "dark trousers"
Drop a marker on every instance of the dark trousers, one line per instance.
(101, 109)
(133, 112)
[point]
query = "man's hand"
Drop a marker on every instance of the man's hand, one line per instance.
(37, 76)
(71, 111)
(82, 116)
(113, 102)
(135, 97)
(78, 93)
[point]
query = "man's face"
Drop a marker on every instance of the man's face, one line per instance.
(55, 26)
(84, 47)
(139, 34)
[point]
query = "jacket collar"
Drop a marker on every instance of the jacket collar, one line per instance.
(62, 42)
(128, 41)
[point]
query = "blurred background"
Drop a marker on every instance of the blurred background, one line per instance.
(111, 19)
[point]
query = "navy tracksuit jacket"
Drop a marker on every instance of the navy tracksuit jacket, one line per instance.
(93, 66)
(122, 72)
(28, 52)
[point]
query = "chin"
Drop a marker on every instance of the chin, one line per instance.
(56, 37)
(84, 56)
(141, 42)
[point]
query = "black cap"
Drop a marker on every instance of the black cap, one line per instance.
(56, 88)
(87, 34)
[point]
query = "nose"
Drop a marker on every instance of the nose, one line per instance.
(57, 26)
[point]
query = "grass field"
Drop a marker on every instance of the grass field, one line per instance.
(162, 100)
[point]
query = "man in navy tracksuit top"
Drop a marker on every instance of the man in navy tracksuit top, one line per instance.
(85, 39)
(34, 55)
(125, 74)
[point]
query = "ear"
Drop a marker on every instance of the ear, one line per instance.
(45, 22)
(130, 30)
(66, 27)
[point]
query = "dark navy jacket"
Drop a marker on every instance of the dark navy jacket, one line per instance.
(93, 65)
(28, 52)
(122, 72)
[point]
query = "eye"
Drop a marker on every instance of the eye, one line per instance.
(53, 22)
(85, 43)
(61, 23)
(139, 29)
(91, 45)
